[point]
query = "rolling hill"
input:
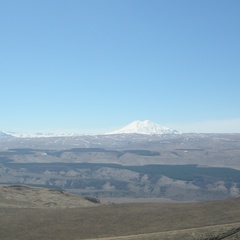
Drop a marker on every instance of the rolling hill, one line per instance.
(150, 221)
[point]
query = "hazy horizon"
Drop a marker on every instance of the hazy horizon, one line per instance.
(205, 127)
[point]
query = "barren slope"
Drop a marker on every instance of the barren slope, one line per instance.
(218, 232)
(170, 221)
(20, 196)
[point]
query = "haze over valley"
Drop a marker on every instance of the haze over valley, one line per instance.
(143, 164)
(132, 186)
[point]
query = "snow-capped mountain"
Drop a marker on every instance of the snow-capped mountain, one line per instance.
(5, 135)
(145, 127)
(35, 135)
(42, 135)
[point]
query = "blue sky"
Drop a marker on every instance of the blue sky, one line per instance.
(97, 65)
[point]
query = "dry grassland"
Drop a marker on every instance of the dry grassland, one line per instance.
(227, 232)
(119, 220)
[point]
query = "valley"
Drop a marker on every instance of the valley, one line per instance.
(127, 167)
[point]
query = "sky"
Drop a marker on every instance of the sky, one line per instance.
(93, 66)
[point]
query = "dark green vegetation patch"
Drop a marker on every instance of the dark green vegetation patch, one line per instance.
(188, 172)
(177, 172)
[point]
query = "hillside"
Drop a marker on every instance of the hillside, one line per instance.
(202, 221)
(20, 196)
(218, 232)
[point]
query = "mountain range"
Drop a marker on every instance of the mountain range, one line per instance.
(172, 167)
(146, 127)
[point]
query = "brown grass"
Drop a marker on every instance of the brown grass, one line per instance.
(114, 220)
(227, 232)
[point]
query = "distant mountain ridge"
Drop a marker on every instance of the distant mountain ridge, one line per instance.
(35, 135)
(145, 127)
(5, 135)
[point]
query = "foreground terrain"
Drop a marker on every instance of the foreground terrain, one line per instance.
(204, 221)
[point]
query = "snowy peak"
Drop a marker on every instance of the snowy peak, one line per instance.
(145, 127)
